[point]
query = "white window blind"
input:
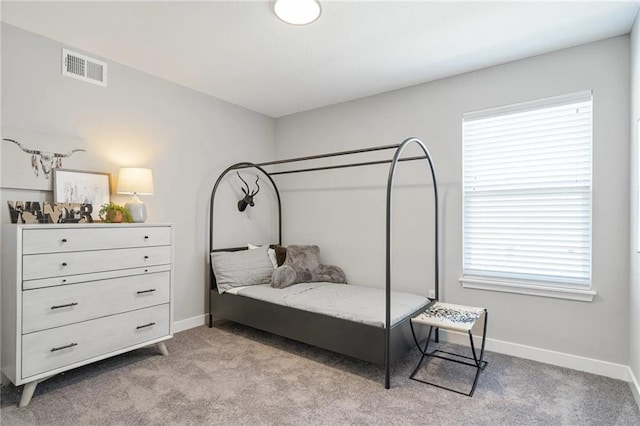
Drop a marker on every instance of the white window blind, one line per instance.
(527, 192)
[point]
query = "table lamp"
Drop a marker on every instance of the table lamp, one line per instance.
(135, 181)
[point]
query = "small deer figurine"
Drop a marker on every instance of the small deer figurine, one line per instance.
(248, 194)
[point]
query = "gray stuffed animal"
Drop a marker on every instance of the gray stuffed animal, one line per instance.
(303, 265)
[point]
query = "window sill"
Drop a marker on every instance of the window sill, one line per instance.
(530, 289)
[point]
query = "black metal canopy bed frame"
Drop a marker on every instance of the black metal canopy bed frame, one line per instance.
(378, 345)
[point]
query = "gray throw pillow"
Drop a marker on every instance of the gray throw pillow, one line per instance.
(241, 268)
(303, 265)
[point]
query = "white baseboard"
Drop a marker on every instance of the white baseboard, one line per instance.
(188, 323)
(635, 387)
(574, 362)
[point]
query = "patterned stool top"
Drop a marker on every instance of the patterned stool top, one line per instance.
(450, 316)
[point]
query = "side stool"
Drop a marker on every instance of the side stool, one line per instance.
(455, 318)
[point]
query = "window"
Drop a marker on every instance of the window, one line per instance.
(527, 197)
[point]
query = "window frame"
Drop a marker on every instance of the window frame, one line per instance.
(502, 282)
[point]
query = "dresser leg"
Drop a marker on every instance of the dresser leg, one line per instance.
(27, 393)
(162, 348)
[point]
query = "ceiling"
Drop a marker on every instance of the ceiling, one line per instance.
(240, 52)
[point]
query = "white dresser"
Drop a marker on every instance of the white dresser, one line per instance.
(75, 294)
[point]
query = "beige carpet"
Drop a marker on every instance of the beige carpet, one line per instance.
(240, 376)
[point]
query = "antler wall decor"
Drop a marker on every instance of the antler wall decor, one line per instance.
(248, 194)
(47, 160)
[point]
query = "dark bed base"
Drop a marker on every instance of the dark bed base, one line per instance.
(361, 341)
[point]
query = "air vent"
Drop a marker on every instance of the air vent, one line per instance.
(84, 68)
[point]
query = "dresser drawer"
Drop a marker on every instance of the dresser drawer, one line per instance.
(63, 240)
(36, 266)
(51, 307)
(58, 347)
(94, 276)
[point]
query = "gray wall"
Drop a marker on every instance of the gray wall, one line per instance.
(187, 138)
(348, 225)
(634, 293)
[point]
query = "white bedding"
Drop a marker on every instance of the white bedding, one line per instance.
(355, 303)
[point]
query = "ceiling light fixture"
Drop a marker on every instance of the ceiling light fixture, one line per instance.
(297, 12)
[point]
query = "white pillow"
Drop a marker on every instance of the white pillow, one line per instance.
(270, 252)
(241, 268)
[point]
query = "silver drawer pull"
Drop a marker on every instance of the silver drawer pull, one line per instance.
(70, 345)
(64, 263)
(151, 290)
(68, 305)
(145, 326)
(64, 240)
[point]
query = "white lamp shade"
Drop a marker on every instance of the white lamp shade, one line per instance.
(297, 12)
(134, 180)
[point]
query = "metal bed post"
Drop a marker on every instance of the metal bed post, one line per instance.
(392, 171)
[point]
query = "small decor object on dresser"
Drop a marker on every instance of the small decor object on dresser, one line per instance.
(135, 181)
(114, 213)
(26, 212)
(43, 212)
(74, 186)
(68, 212)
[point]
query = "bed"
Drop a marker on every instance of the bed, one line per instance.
(367, 323)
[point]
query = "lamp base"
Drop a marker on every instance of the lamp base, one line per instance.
(137, 209)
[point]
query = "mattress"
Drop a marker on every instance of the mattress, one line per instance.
(350, 302)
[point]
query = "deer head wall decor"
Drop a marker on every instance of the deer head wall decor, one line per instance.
(248, 194)
(47, 160)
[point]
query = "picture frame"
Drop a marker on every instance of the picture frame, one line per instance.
(84, 187)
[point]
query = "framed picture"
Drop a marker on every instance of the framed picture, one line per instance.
(75, 186)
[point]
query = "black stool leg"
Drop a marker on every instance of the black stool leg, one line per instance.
(480, 363)
(423, 351)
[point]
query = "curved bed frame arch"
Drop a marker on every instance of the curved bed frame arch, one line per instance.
(354, 339)
(238, 166)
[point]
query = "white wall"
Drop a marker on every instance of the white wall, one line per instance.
(634, 293)
(186, 137)
(347, 218)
